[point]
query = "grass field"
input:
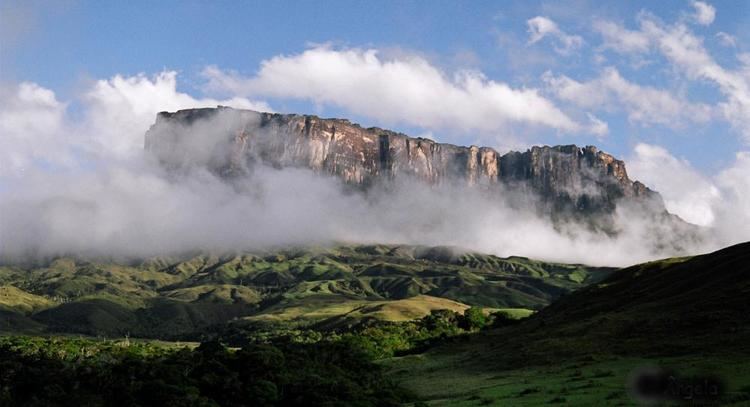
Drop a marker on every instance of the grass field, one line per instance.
(446, 379)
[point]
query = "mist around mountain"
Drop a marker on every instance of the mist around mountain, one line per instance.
(204, 185)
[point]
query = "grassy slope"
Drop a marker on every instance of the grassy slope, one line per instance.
(12, 298)
(687, 314)
(393, 310)
(169, 295)
(449, 379)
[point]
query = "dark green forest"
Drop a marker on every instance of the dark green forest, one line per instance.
(55, 372)
(285, 367)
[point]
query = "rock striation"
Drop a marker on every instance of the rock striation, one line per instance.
(230, 142)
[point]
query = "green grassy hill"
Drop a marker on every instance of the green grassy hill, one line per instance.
(14, 299)
(670, 307)
(688, 315)
(169, 297)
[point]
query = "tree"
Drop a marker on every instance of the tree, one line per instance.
(501, 319)
(473, 319)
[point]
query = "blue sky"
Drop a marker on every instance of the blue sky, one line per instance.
(667, 80)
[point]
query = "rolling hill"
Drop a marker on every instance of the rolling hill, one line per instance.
(172, 296)
(670, 307)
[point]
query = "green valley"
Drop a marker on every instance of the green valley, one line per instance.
(184, 297)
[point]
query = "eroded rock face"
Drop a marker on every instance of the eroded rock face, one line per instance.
(584, 179)
(229, 142)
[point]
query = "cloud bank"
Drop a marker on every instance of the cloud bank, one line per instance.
(113, 200)
(686, 192)
(721, 202)
(405, 89)
(35, 128)
(81, 183)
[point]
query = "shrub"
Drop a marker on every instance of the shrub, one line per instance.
(473, 319)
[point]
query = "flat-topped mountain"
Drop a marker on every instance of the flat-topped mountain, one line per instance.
(230, 142)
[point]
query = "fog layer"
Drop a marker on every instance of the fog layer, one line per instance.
(85, 186)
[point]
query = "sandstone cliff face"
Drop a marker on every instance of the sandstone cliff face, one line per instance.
(230, 142)
(583, 179)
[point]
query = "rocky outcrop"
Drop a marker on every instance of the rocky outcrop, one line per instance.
(568, 177)
(230, 142)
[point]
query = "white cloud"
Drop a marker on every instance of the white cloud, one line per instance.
(583, 94)
(644, 104)
(112, 206)
(686, 192)
(34, 129)
(726, 40)
(540, 27)
(704, 13)
(130, 104)
(620, 39)
(30, 120)
(598, 127)
(721, 201)
(734, 212)
(403, 89)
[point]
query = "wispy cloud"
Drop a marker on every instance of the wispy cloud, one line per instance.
(644, 105)
(686, 52)
(540, 27)
(687, 56)
(726, 40)
(620, 39)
